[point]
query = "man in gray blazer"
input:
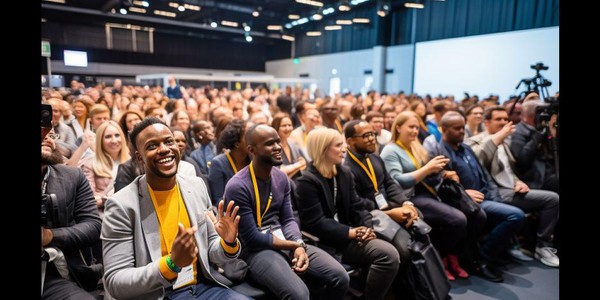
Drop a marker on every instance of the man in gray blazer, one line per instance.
(159, 237)
(492, 149)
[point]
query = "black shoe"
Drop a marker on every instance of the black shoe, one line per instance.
(487, 271)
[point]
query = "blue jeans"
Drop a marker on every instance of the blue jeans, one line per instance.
(505, 220)
(204, 291)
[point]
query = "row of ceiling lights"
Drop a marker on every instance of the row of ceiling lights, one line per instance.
(383, 9)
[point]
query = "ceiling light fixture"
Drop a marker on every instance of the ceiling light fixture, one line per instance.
(288, 37)
(383, 8)
(357, 2)
(333, 27)
(361, 20)
(137, 10)
(293, 17)
(310, 2)
(165, 13)
(191, 7)
(274, 27)
(257, 11)
(417, 5)
(317, 17)
(343, 22)
(344, 5)
(313, 33)
(229, 23)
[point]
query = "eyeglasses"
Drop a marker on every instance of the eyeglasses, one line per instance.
(53, 136)
(367, 135)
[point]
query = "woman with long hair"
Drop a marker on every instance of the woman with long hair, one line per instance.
(330, 209)
(407, 162)
(101, 168)
(292, 156)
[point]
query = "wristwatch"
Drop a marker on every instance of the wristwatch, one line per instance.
(408, 203)
(301, 243)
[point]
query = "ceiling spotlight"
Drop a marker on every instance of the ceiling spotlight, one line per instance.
(344, 5)
(247, 28)
(257, 11)
(181, 8)
(214, 24)
(317, 17)
(248, 38)
(383, 8)
(123, 11)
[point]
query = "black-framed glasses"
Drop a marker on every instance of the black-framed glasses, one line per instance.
(367, 135)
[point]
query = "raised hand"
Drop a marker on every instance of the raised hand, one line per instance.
(184, 249)
(226, 224)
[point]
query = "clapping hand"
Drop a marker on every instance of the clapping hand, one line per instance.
(226, 224)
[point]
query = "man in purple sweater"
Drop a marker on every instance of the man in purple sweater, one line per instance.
(271, 241)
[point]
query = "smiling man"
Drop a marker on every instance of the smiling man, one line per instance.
(159, 237)
(269, 233)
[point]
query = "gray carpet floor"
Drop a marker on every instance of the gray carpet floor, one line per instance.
(522, 280)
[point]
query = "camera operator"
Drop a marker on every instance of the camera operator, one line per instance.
(533, 147)
(70, 225)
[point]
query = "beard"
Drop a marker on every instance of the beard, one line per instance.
(52, 158)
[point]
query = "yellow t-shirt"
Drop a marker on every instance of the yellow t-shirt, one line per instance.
(171, 211)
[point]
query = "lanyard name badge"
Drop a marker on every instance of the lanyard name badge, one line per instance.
(275, 230)
(379, 198)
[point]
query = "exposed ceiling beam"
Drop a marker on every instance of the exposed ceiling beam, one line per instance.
(144, 18)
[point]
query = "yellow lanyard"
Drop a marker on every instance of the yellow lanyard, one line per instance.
(370, 172)
(231, 163)
(417, 165)
(414, 160)
(259, 217)
(338, 125)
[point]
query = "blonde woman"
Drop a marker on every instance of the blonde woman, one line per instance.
(101, 169)
(330, 209)
(407, 162)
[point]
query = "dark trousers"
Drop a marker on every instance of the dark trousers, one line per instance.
(449, 225)
(272, 269)
(382, 260)
(539, 201)
(56, 287)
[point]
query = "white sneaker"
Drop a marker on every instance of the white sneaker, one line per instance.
(547, 255)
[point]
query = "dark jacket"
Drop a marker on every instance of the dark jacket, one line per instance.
(442, 148)
(74, 220)
(316, 206)
(364, 186)
(525, 146)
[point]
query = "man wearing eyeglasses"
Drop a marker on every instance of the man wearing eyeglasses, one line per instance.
(382, 196)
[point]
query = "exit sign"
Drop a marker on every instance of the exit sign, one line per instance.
(46, 48)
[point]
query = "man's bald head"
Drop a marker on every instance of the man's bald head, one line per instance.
(449, 117)
(255, 131)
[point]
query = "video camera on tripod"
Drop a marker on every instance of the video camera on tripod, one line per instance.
(539, 85)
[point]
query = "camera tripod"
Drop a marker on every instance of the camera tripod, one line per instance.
(539, 85)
